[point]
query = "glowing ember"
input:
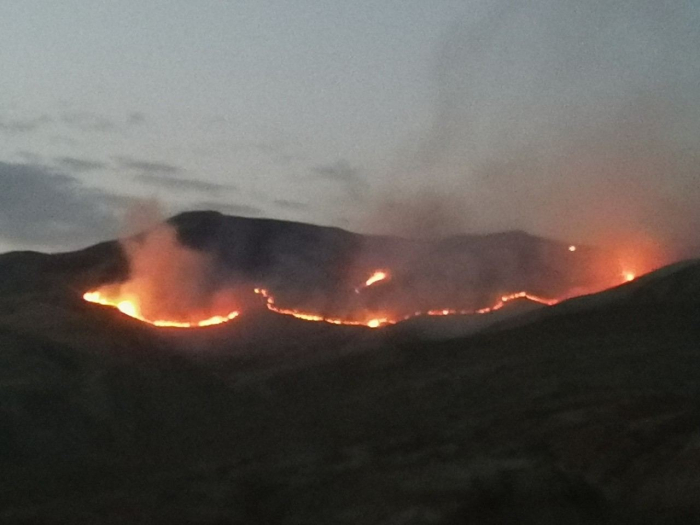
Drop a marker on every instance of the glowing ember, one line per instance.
(376, 277)
(130, 307)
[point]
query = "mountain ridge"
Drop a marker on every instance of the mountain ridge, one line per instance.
(301, 263)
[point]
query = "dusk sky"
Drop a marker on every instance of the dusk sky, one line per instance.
(575, 120)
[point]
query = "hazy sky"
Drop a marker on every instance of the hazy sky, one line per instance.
(564, 118)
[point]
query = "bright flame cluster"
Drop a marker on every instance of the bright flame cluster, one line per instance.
(376, 277)
(131, 308)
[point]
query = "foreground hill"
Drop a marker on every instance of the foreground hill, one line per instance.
(676, 285)
(581, 415)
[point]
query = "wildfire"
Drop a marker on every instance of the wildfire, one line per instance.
(308, 316)
(384, 321)
(497, 306)
(130, 307)
(378, 276)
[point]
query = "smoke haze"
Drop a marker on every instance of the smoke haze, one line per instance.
(167, 280)
(577, 120)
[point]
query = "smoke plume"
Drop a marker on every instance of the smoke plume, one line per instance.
(168, 280)
(575, 120)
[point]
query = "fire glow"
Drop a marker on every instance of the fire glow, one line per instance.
(130, 305)
(376, 322)
(376, 277)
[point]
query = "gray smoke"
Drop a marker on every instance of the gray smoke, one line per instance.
(577, 120)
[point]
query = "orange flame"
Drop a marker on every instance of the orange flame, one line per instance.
(308, 316)
(130, 307)
(376, 277)
(497, 306)
(376, 322)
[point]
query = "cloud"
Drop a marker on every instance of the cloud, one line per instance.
(229, 209)
(41, 206)
(270, 147)
(79, 165)
(290, 205)
(343, 173)
(20, 126)
(126, 204)
(161, 175)
(30, 157)
(135, 118)
(181, 184)
(88, 121)
(148, 166)
(278, 151)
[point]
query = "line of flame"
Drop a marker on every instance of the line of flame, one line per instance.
(129, 308)
(384, 321)
(307, 316)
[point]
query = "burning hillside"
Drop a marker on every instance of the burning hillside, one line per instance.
(171, 284)
(130, 306)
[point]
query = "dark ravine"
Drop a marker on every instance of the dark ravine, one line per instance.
(584, 415)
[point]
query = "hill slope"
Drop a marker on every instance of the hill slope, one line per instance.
(582, 415)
